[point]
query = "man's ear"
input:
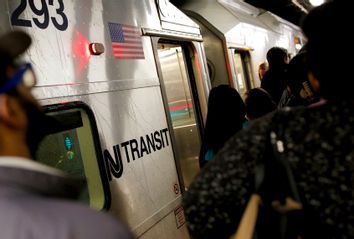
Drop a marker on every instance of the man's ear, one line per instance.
(10, 111)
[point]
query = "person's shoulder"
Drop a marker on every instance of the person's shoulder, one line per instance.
(266, 78)
(250, 138)
(79, 219)
(55, 217)
(83, 215)
(289, 112)
(272, 120)
(108, 226)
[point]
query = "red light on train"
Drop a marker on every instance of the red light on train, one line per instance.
(96, 48)
(81, 52)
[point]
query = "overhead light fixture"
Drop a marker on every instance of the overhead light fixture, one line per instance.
(316, 3)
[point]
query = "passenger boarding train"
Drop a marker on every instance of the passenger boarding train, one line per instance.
(129, 80)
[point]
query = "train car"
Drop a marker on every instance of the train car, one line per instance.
(128, 81)
(237, 37)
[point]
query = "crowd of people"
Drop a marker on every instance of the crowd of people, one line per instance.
(303, 152)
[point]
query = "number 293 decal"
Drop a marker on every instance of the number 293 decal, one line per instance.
(60, 21)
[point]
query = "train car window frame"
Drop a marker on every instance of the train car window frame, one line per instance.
(78, 121)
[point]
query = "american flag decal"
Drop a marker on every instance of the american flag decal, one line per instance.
(126, 41)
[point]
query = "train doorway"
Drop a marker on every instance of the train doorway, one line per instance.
(182, 108)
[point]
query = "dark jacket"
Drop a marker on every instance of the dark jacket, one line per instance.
(319, 144)
(274, 82)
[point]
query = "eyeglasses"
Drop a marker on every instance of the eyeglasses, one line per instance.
(24, 74)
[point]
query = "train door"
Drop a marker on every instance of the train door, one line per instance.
(242, 70)
(181, 104)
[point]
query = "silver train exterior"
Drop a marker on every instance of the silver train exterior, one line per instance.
(132, 113)
(237, 37)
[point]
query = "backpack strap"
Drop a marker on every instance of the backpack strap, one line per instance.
(278, 155)
(276, 185)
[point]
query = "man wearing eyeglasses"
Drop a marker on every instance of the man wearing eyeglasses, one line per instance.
(35, 200)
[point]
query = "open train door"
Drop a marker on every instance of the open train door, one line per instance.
(183, 74)
(182, 106)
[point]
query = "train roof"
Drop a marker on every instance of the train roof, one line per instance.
(291, 10)
(236, 14)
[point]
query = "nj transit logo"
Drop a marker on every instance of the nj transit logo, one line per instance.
(133, 149)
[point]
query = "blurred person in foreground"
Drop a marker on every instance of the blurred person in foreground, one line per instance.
(36, 201)
(318, 142)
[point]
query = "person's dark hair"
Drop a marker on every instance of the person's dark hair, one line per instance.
(258, 103)
(328, 47)
(276, 56)
(226, 114)
(12, 45)
(5, 60)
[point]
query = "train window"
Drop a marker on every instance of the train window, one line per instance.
(75, 149)
(243, 71)
(182, 107)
